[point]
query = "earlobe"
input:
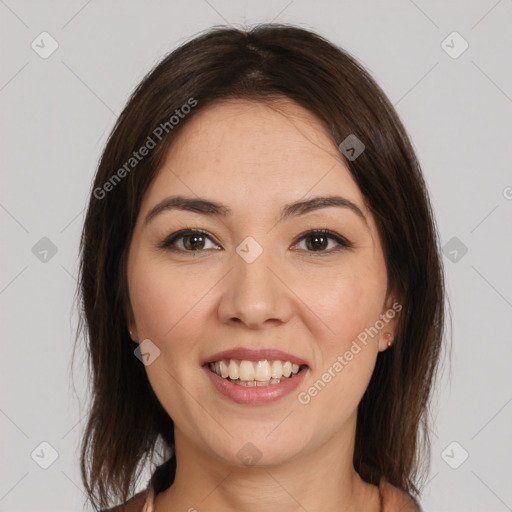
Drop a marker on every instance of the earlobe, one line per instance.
(389, 317)
(131, 323)
(388, 340)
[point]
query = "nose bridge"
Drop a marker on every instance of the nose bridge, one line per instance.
(254, 294)
(252, 264)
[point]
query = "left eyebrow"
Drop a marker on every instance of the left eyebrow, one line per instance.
(317, 203)
(211, 208)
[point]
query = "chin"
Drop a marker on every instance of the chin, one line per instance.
(258, 449)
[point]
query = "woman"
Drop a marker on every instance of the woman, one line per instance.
(262, 286)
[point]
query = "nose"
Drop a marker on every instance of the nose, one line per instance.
(255, 294)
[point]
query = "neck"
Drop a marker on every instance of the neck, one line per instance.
(325, 476)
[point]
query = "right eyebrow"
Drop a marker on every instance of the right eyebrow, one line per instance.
(213, 208)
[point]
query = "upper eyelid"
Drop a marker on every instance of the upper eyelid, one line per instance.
(343, 242)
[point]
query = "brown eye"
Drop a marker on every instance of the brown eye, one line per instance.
(193, 241)
(318, 241)
(321, 241)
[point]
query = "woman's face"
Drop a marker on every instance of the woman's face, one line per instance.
(254, 280)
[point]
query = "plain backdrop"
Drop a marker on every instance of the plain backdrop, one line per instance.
(453, 92)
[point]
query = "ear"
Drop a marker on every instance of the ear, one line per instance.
(389, 317)
(130, 322)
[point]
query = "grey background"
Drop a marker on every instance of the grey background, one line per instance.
(56, 116)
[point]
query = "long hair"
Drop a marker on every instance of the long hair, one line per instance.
(267, 62)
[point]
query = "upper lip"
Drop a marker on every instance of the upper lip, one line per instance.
(270, 354)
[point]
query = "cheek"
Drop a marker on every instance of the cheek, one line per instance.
(165, 301)
(346, 303)
(153, 302)
(168, 311)
(348, 306)
(337, 392)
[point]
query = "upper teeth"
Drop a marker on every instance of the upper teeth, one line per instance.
(253, 370)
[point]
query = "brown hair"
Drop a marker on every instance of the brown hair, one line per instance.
(267, 62)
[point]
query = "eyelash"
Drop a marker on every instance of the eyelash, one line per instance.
(167, 243)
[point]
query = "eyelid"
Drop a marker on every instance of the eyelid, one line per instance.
(343, 243)
(171, 239)
(339, 239)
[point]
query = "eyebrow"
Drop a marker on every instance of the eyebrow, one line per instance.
(215, 209)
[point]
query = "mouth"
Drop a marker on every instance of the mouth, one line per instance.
(244, 372)
(254, 377)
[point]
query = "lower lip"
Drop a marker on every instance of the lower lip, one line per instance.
(255, 395)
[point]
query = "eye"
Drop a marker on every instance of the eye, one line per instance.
(320, 241)
(194, 241)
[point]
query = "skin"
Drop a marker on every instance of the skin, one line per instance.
(255, 158)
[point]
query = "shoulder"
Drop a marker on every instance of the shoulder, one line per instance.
(134, 504)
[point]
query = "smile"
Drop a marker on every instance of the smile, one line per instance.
(255, 373)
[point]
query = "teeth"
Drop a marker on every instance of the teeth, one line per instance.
(224, 372)
(233, 370)
(277, 369)
(253, 383)
(261, 372)
(254, 373)
(246, 370)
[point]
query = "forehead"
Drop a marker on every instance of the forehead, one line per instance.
(247, 153)
(245, 120)
(238, 130)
